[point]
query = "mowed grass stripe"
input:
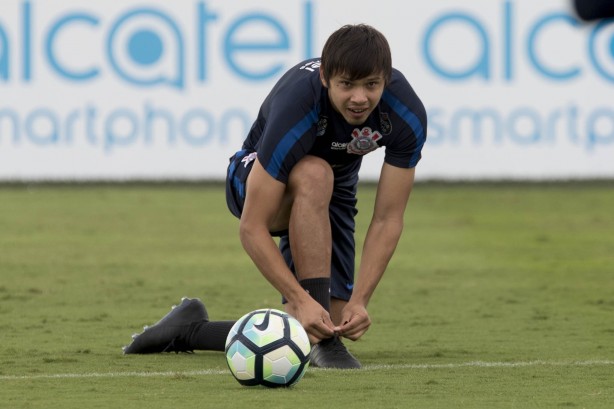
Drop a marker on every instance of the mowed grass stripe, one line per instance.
(473, 364)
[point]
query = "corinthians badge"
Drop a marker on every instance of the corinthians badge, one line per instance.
(363, 141)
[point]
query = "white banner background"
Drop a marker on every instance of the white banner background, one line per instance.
(515, 89)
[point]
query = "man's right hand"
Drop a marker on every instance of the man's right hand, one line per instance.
(315, 319)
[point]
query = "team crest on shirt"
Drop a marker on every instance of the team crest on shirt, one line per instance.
(363, 141)
(385, 123)
(321, 127)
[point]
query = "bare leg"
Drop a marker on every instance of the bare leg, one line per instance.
(336, 306)
(311, 186)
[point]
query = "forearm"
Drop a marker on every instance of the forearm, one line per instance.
(263, 251)
(380, 244)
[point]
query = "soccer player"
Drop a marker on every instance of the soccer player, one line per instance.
(296, 177)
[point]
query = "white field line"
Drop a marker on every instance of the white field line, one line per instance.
(484, 364)
(472, 364)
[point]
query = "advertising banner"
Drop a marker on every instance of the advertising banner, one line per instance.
(152, 89)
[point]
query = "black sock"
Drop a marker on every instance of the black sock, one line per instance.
(318, 289)
(209, 335)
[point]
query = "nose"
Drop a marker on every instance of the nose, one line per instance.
(359, 95)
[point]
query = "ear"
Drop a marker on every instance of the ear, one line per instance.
(322, 80)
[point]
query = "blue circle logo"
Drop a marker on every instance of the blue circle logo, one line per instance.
(145, 47)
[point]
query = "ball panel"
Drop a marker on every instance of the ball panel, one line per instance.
(298, 335)
(241, 361)
(264, 328)
(280, 365)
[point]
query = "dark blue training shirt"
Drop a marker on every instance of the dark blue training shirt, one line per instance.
(298, 119)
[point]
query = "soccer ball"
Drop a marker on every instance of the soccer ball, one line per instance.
(267, 347)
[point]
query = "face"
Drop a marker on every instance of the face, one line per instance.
(355, 99)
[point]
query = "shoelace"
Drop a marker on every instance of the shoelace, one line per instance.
(335, 346)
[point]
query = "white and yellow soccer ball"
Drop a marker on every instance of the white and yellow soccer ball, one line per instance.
(267, 347)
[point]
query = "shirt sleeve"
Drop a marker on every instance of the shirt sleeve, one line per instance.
(409, 123)
(291, 112)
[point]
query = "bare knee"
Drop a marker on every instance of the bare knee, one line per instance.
(310, 186)
(312, 179)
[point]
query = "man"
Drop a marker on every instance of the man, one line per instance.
(296, 177)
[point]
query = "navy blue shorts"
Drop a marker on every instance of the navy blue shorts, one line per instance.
(236, 180)
(342, 211)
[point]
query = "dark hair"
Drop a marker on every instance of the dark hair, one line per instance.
(356, 51)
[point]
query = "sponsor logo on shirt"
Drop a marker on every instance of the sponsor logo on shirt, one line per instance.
(339, 146)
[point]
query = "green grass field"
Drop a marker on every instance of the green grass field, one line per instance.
(499, 296)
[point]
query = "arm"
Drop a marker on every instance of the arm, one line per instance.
(382, 237)
(263, 203)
